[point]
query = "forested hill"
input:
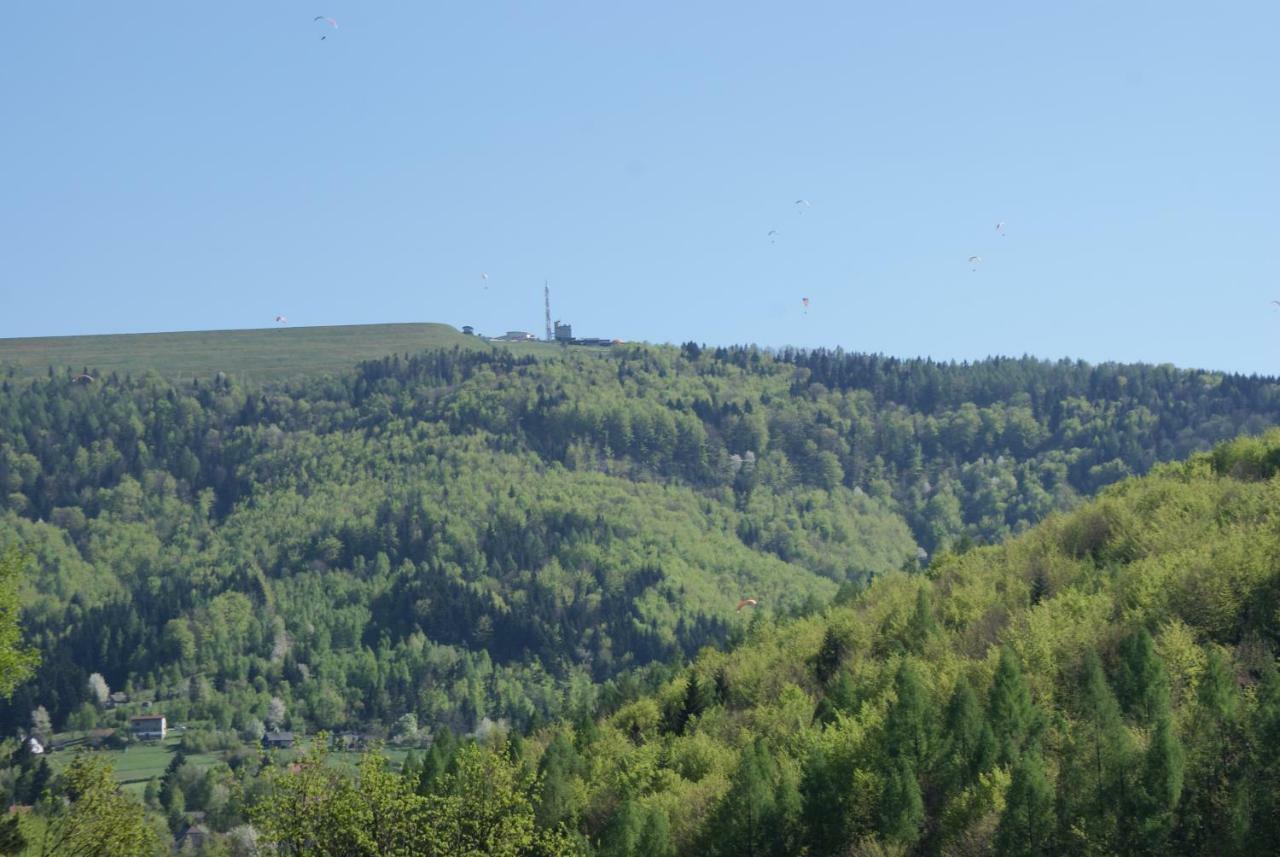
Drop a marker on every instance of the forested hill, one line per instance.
(1105, 684)
(466, 534)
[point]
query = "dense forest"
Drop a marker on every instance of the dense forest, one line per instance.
(471, 537)
(1104, 684)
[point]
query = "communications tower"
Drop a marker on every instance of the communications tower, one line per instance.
(546, 296)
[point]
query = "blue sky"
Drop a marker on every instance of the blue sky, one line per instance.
(170, 166)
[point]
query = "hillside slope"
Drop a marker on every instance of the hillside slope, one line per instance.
(1106, 683)
(466, 534)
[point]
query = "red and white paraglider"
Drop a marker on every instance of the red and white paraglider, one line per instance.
(747, 602)
(332, 23)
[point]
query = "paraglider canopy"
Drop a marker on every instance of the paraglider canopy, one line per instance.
(281, 319)
(747, 602)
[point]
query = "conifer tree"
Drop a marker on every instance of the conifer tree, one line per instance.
(757, 816)
(966, 745)
(622, 838)
(1214, 810)
(840, 696)
(1026, 827)
(1093, 782)
(655, 837)
(690, 706)
(437, 759)
(824, 788)
(908, 727)
(559, 763)
(901, 804)
(1015, 720)
(1264, 778)
(1150, 818)
(922, 625)
(1142, 685)
(829, 656)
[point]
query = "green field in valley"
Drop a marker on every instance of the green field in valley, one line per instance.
(139, 763)
(265, 354)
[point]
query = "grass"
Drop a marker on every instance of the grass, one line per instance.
(267, 354)
(252, 355)
(139, 763)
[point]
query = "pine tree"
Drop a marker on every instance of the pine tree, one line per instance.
(901, 804)
(559, 763)
(1150, 818)
(655, 838)
(1214, 815)
(840, 696)
(690, 706)
(1142, 685)
(824, 788)
(11, 839)
(756, 818)
(622, 838)
(967, 746)
(1264, 776)
(1026, 827)
(829, 657)
(908, 727)
(1093, 783)
(1015, 720)
(41, 776)
(922, 625)
(437, 759)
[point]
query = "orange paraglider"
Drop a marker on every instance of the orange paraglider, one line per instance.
(747, 602)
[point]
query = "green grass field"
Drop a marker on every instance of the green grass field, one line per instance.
(266, 354)
(254, 355)
(138, 764)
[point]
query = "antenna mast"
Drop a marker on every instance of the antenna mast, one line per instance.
(546, 296)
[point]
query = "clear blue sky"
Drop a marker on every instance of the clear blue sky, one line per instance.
(171, 165)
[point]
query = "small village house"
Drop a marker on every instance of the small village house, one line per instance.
(148, 727)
